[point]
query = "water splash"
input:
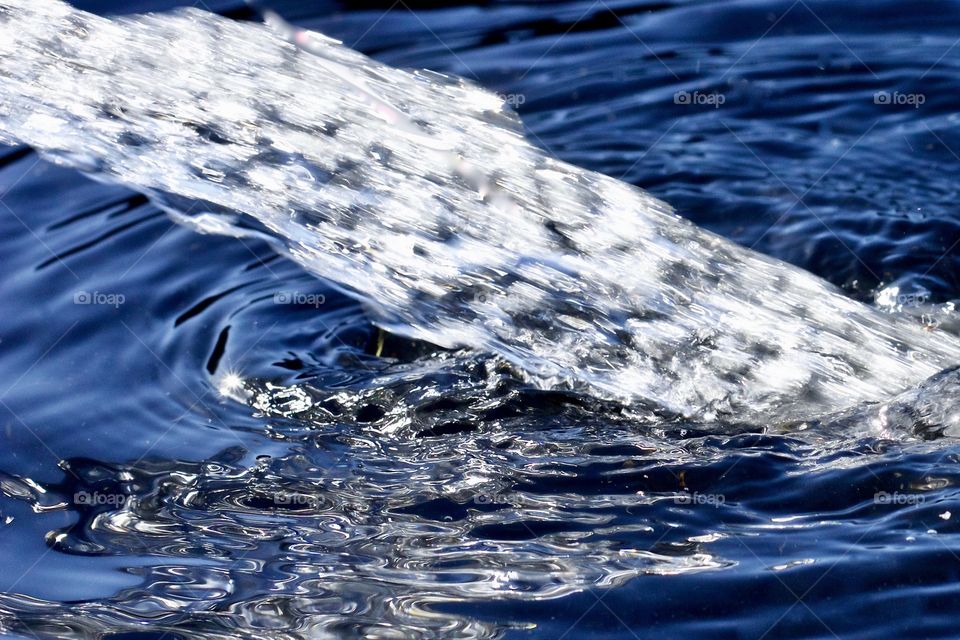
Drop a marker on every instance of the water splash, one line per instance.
(416, 488)
(419, 195)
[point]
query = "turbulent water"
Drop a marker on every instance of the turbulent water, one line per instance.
(419, 194)
(631, 427)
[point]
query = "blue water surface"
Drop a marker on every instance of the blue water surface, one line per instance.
(824, 133)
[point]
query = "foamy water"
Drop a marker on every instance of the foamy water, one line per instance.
(419, 195)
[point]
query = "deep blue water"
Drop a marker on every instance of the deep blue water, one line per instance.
(823, 133)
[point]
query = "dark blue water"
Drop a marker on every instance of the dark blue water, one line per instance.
(136, 502)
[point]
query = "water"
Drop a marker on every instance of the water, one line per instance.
(419, 196)
(202, 459)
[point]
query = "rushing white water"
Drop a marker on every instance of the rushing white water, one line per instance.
(419, 195)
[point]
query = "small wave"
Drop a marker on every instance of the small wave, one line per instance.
(418, 194)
